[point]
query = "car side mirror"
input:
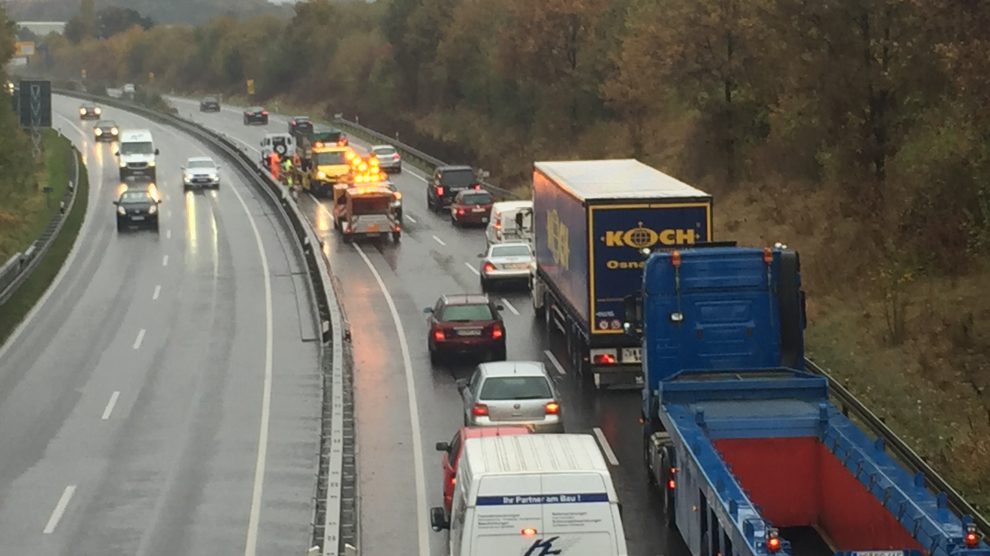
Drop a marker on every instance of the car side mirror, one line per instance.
(116, 203)
(632, 325)
(158, 201)
(500, 307)
(156, 152)
(116, 153)
(182, 167)
(481, 255)
(261, 143)
(443, 447)
(438, 519)
(462, 384)
(428, 310)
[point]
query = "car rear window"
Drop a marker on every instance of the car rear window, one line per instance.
(477, 199)
(453, 313)
(511, 251)
(515, 388)
(387, 151)
(457, 178)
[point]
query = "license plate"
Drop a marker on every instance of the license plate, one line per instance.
(632, 355)
(136, 218)
(373, 228)
(518, 266)
(472, 332)
(478, 209)
(484, 220)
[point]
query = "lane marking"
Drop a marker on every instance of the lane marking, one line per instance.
(472, 269)
(165, 260)
(63, 502)
(419, 177)
(168, 234)
(556, 364)
(422, 523)
(510, 306)
(110, 404)
(411, 219)
(251, 547)
(139, 339)
(77, 128)
(158, 291)
(438, 240)
(606, 448)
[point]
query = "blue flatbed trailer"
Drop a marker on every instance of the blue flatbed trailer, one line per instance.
(742, 442)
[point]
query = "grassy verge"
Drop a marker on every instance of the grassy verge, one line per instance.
(31, 290)
(30, 212)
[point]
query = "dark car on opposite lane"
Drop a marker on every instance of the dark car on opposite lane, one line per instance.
(209, 104)
(471, 206)
(255, 115)
(106, 130)
(300, 126)
(465, 324)
(137, 206)
(446, 183)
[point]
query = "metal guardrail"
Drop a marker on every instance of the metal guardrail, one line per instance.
(21, 266)
(331, 479)
(848, 403)
(427, 161)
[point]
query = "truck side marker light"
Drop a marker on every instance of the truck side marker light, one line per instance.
(773, 540)
(604, 359)
(675, 259)
(972, 538)
(767, 255)
(676, 316)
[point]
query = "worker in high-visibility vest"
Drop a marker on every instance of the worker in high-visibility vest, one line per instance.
(287, 167)
(274, 165)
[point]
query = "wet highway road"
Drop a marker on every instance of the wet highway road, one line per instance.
(134, 413)
(385, 288)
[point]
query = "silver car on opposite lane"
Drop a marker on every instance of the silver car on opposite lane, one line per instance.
(506, 261)
(512, 393)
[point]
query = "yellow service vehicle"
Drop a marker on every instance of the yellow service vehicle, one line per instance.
(328, 168)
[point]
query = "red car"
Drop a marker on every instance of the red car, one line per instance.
(465, 324)
(452, 453)
(471, 206)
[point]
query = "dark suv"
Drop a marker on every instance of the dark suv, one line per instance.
(446, 183)
(465, 324)
(209, 104)
(301, 126)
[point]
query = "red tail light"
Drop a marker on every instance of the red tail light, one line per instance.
(439, 190)
(497, 331)
(479, 410)
(672, 482)
(552, 408)
(453, 480)
(972, 537)
(604, 359)
(477, 186)
(460, 212)
(773, 540)
(264, 113)
(488, 268)
(439, 335)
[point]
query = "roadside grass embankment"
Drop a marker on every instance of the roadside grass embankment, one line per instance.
(58, 170)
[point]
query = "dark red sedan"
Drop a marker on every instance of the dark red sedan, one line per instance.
(471, 206)
(465, 324)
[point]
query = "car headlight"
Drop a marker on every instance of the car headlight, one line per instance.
(113, 131)
(152, 209)
(123, 164)
(98, 132)
(98, 111)
(187, 177)
(151, 163)
(121, 210)
(321, 175)
(82, 111)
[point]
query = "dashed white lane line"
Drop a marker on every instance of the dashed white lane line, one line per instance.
(165, 260)
(417, 176)
(110, 404)
(438, 240)
(417, 441)
(139, 339)
(158, 291)
(168, 234)
(556, 364)
(472, 269)
(63, 502)
(606, 448)
(510, 306)
(411, 219)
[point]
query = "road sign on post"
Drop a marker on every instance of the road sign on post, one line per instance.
(36, 104)
(250, 86)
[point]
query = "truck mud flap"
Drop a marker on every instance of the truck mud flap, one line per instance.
(620, 378)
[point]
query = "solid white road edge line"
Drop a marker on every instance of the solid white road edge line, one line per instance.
(438, 240)
(251, 548)
(423, 524)
(510, 306)
(556, 364)
(63, 502)
(472, 269)
(110, 404)
(139, 339)
(606, 448)
(158, 291)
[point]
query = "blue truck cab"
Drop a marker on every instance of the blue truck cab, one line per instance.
(743, 444)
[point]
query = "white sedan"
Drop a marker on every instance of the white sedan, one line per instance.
(506, 261)
(200, 172)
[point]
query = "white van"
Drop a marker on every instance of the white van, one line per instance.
(533, 495)
(136, 154)
(510, 221)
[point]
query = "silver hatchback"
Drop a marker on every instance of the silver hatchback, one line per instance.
(512, 393)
